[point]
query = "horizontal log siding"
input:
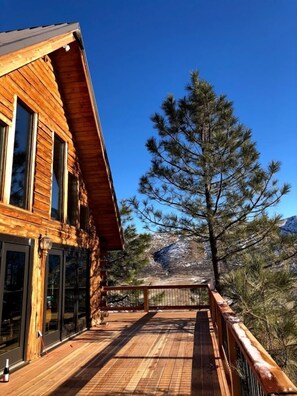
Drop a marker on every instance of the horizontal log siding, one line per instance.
(6, 106)
(35, 84)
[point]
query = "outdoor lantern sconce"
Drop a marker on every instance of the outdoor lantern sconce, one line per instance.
(45, 244)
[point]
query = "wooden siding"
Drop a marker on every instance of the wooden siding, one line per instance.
(35, 84)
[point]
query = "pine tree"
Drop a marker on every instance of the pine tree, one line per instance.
(205, 179)
(265, 298)
(123, 266)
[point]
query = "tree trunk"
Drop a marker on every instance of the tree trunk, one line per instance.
(212, 239)
(214, 257)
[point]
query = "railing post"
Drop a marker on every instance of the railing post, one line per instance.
(220, 331)
(145, 299)
(232, 357)
(210, 303)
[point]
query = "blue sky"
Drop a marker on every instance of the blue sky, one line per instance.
(139, 51)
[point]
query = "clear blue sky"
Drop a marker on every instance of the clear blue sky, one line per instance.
(141, 50)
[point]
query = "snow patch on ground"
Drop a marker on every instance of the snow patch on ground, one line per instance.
(172, 256)
(289, 225)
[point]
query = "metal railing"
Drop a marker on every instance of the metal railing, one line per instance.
(146, 298)
(249, 369)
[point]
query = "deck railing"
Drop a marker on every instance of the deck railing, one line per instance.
(248, 366)
(249, 369)
(148, 298)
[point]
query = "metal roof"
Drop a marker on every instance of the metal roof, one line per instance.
(15, 40)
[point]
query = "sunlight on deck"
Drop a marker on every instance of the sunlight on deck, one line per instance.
(136, 353)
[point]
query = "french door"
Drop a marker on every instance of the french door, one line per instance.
(53, 297)
(14, 268)
(66, 294)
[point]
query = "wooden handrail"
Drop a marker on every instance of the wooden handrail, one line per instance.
(141, 287)
(271, 377)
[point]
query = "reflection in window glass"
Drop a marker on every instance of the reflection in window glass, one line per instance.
(82, 289)
(21, 157)
(57, 179)
(75, 293)
(12, 311)
(53, 293)
(70, 293)
(84, 217)
(3, 129)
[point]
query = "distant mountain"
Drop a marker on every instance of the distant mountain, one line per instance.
(289, 225)
(176, 258)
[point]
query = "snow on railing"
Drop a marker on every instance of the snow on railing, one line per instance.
(249, 367)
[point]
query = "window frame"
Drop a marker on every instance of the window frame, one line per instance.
(3, 156)
(75, 213)
(62, 198)
(30, 157)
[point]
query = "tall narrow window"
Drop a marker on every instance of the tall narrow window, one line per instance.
(84, 217)
(22, 152)
(72, 203)
(3, 129)
(57, 179)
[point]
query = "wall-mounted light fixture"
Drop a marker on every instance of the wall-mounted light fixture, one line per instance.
(45, 244)
(66, 47)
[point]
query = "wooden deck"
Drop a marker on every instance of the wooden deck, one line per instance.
(156, 353)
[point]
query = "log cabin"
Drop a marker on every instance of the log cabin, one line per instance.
(58, 209)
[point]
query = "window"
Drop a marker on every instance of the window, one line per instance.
(3, 129)
(72, 203)
(22, 168)
(58, 179)
(84, 217)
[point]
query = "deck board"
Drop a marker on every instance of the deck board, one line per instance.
(207, 379)
(135, 354)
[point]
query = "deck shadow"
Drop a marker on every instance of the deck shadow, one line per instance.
(205, 379)
(82, 376)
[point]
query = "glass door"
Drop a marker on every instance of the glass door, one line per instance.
(82, 284)
(66, 294)
(70, 294)
(75, 291)
(13, 300)
(53, 298)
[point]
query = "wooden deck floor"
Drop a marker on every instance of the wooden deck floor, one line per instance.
(135, 354)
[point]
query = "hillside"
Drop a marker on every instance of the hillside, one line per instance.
(178, 260)
(289, 225)
(174, 259)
